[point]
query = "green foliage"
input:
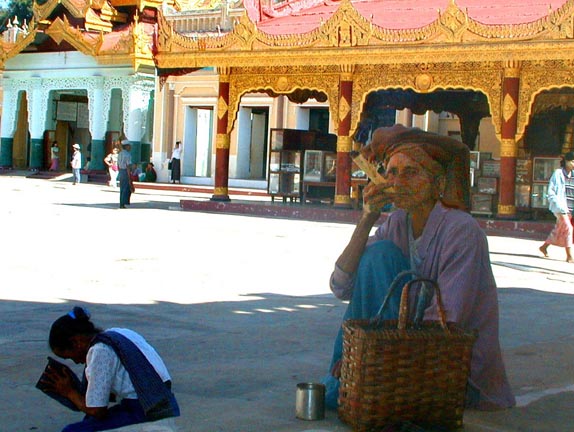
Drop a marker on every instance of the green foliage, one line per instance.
(15, 8)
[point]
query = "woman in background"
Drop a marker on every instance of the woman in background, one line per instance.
(54, 157)
(176, 163)
(561, 203)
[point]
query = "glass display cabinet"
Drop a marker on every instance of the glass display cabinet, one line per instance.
(319, 166)
(284, 174)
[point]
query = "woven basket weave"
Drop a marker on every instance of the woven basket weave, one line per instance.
(392, 372)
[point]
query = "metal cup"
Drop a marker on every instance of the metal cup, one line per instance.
(310, 401)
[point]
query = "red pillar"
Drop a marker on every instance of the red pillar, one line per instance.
(221, 191)
(344, 141)
(508, 147)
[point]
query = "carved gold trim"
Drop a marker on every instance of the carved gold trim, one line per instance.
(262, 79)
(344, 108)
(61, 30)
(222, 141)
(512, 69)
(477, 76)
(347, 71)
(224, 73)
(222, 107)
(538, 77)
(221, 191)
(507, 210)
(423, 82)
(342, 200)
(344, 144)
(12, 50)
(348, 28)
(508, 148)
(509, 107)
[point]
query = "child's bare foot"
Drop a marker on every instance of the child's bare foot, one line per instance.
(544, 250)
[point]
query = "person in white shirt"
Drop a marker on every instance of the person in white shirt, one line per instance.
(176, 163)
(76, 163)
(119, 362)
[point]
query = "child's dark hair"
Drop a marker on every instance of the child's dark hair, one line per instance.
(76, 322)
(567, 157)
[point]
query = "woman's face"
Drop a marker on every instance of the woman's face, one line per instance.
(569, 165)
(77, 352)
(415, 187)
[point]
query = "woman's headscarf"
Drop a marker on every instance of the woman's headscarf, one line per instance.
(438, 154)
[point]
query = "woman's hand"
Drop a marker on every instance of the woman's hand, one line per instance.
(377, 196)
(59, 381)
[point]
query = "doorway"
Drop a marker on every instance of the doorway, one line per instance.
(252, 132)
(197, 147)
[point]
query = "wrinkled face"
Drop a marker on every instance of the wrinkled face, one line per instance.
(416, 187)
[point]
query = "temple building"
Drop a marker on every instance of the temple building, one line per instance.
(497, 74)
(81, 72)
(255, 89)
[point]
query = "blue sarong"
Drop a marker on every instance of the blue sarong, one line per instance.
(380, 263)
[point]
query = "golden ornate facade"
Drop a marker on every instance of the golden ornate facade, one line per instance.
(454, 52)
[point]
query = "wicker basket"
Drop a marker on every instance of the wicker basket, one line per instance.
(392, 372)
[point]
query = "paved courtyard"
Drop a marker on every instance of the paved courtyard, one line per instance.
(238, 306)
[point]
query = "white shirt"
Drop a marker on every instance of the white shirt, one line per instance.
(106, 374)
(77, 160)
(176, 153)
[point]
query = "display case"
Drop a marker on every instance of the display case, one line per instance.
(522, 195)
(284, 174)
(542, 169)
(483, 204)
(319, 166)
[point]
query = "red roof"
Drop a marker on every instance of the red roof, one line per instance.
(301, 16)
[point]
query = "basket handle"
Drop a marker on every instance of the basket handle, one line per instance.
(404, 306)
(394, 284)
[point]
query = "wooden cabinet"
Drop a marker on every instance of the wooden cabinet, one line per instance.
(287, 155)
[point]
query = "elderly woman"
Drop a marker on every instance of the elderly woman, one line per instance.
(427, 179)
(119, 363)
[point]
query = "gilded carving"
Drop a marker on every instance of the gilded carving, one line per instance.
(220, 191)
(453, 22)
(508, 148)
(344, 144)
(264, 79)
(348, 28)
(222, 107)
(222, 141)
(282, 84)
(342, 200)
(538, 77)
(508, 107)
(423, 82)
(485, 78)
(344, 108)
(62, 30)
(506, 210)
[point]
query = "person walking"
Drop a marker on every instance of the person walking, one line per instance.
(176, 163)
(125, 165)
(54, 157)
(76, 163)
(561, 203)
